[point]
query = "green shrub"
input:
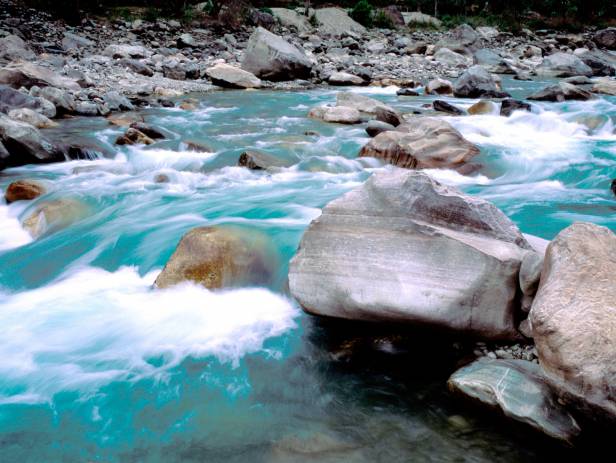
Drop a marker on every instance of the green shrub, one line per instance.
(362, 13)
(382, 21)
(313, 21)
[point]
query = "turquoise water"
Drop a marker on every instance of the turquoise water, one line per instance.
(97, 366)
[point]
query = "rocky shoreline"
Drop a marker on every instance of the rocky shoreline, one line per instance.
(402, 248)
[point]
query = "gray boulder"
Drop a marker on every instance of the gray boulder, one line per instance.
(462, 39)
(509, 105)
(492, 61)
(291, 18)
(404, 248)
(270, 57)
(11, 99)
(28, 75)
(336, 114)
(125, 51)
(13, 48)
(344, 78)
(439, 87)
(443, 106)
(30, 116)
(375, 127)
(259, 160)
(336, 22)
(561, 92)
(228, 76)
(573, 317)
(518, 389)
(72, 41)
(364, 104)
(137, 67)
(423, 143)
(563, 65)
(24, 144)
(52, 216)
(477, 82)
(450, 58)
(62, 100)
(606, 38)
(117, 102)
(605, 86)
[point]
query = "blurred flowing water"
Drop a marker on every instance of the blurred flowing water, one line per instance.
(95, 365)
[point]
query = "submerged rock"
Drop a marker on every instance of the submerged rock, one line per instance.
(573, 316)
(51, 216)
(605, 86)
(404, 248)
(258, 160)
(134, 137)
(220, 257)
(344, 78)
(422, 143)
(148, 130)
(518, 389)
(23, 190)
(509, 105)
(269, 56)
(228, 76)
(483, 107)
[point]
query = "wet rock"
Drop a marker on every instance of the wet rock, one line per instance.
(602, 63)
(443, 106)
(605, 86)
(336, 114)
(28, 75)
(563, 65)
(51, 216)
(31, 117)
(148, 130)
(336, 22)
(87, 108)
(423, 143)
(613, 186)
(228, 76)
(578, 80)
(509, 105)
(476, 82)
(407, 92)
(24, 144)
(606, 38)
(344, 78)
(376, 127)
(13, 48)
(365, 105)
(439, 87)
(23, 190)
(388, 115)
(573, 318)
(518, 389)
(483, 107)
(259, 160)
(561, 92)
(134, 137)
(269, 56)
(219, 257)
(161, 178)
(404, 248)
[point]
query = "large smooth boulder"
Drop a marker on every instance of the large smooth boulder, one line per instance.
(270, 57)
(336, 22)
(450, 58)
(422, 143)
(259, 160)
(225, 75)
(518, 389)
(344, 78)
(24, 144)
(13, 48)
(492, 61)
(336, 114)
(509, 105)
(220, 257)
(29, 116)
(364, 104)
(52, 216)
(563, 65)
(28, 75)
(573, 316)
(23, 190)
(404, 248)
(61, 99)
(606, 38)
(561, 92)
(602, 63)
(291, 18)
(477, 82)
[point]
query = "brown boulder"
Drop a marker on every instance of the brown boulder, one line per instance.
(23, 190)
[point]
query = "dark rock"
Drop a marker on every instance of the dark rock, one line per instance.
(443, 106)
(24, 144)
(509, 105)
(389, 116)
(407, 92)
(258, 160)
(606, 38)
(476, 82)
(148, 130)
(137, 67)
(561, 92)
(375, 127)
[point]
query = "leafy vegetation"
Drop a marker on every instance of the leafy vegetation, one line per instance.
(362, 13)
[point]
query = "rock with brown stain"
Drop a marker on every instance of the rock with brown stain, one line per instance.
(23, 190)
